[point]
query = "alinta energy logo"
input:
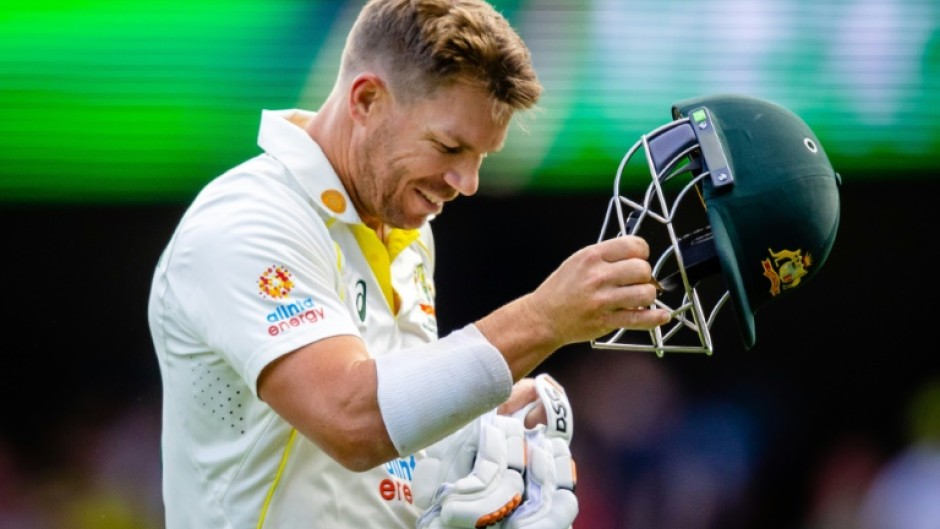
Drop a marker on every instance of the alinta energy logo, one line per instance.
(275, 283)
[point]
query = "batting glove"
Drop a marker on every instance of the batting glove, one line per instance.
(550, 475)
(473, 478)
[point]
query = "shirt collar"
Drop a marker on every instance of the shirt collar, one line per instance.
(282, 136)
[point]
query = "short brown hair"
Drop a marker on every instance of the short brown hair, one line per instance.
(429, 44)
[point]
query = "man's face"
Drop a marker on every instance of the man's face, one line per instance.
(414, 158)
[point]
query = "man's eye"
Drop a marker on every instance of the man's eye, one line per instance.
(448, 149)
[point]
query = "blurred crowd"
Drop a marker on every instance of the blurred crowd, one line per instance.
(650, 455)
(103, 476)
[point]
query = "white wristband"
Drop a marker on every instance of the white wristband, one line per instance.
(427, 392)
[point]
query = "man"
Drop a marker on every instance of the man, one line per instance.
(293, 310)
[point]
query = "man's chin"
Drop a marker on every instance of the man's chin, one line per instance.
(411, 219)
(410, 223)
(415, 224)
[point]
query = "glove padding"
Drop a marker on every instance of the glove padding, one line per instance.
(550, 480)
(550, 475)
(473, 478)
(492, 492)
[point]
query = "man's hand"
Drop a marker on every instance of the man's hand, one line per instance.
(473, 478)
(601, 288)
(486, 474)
(598, 289)
(550, 476)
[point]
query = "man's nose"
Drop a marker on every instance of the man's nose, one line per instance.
(465, 177)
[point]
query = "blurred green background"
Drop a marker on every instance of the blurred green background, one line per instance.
(119, 101)
(114, 113)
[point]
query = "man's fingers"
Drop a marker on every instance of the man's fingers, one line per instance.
(535, 417)
(638, 319)
(630, 292)
(624, 297)
(626, 272)
(632, 296)
(523, 393)
(620, 248)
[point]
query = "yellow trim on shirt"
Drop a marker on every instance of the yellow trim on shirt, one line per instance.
(339, 267)
(277, 477)
(380, 255)
(398, 240)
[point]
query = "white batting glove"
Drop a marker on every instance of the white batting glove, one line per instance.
(473, 478)
(550, 476)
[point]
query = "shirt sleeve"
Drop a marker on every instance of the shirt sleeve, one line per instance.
(256, 273)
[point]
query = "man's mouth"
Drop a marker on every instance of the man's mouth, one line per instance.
(432, 199)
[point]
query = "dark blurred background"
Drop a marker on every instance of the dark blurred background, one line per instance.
(114, 114)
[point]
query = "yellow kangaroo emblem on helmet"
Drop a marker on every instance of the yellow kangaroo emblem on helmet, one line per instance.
(785, 269)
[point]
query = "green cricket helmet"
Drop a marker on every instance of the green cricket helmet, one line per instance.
(750, 206)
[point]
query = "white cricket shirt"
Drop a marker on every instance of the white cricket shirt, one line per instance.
(269, 257)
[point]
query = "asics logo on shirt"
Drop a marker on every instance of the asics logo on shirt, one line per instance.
(361, 299)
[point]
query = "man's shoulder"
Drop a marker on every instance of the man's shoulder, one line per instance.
(257, 194)
(260, 173)
(261, 182)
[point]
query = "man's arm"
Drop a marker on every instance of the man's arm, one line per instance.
(336, 406)
(329, 389)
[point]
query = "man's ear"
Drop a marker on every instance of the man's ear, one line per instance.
(367, 93)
